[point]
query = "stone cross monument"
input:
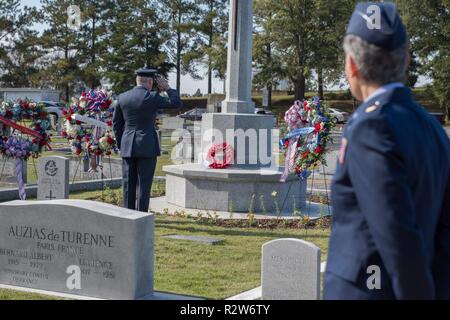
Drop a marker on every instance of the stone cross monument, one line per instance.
(252, 176)
(239, 64)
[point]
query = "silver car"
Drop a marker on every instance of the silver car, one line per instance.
(338, 116)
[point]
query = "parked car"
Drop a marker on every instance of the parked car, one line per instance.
(54, 109)
(338, 116)
(194, 114)
(263, 111)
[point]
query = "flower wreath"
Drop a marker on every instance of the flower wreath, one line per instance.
(30, 123)
(90, 140)
(308, 124)
(228, 156)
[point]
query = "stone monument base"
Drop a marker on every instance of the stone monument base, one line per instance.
(234, 189)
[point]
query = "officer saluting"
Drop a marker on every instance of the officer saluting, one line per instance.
(391, 192)
(134, 127)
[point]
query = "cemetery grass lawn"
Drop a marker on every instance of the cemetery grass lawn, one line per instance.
(219, 271)
(6, 294)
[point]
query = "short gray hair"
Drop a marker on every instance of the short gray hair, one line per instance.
(142, 80)
(377, 65)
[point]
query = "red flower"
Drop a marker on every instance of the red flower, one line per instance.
(286, 143)
(68, 118)
(318, 127)
(318, 150)
(64, 134)
(78, 122)
(79, 138)
(64, 112)
(43, 114)
(110, 140)
(78, 151)
(305, 154)
(109, 123)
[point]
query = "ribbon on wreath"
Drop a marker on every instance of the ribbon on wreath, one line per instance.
(20, 184)
(292, 139)
(97, 100)
(23, 129)
(90, 121)
(99, 125)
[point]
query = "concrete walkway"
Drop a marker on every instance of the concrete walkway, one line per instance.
(160, 205)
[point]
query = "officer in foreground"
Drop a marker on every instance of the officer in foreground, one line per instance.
(390, 237)
(134, 128)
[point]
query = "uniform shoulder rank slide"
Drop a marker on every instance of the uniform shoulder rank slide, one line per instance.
(373, 108)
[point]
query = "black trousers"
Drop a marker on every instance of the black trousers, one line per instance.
(137, 175)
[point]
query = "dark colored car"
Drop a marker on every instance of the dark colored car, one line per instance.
(263, 111)
(194, 114)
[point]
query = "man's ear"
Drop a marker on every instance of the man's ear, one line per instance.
(352, 67)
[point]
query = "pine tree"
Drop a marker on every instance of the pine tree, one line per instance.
(61, 44)
(19, 47)
(181, 17)
(210, 37)
(135, 40)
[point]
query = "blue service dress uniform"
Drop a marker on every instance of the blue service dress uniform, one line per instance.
(134, 128)
(391, 203)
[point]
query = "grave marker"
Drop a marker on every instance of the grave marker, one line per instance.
(76, 247)
(53, 179)
(290, 270)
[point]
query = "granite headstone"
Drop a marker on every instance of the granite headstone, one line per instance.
(77, 247)
(290, 270)
(53, 179)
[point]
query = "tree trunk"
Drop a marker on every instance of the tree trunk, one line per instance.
(320, 82)
(269, 87)
(179, 50)
(66, 57)
(300, 86)
(269, 91)
(210, 43)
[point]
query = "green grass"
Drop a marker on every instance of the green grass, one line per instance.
(6, 294)
(219, 271)
(213, 272)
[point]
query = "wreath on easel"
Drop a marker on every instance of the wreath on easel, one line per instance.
(88, 127)
(308, 123)
(25, 127)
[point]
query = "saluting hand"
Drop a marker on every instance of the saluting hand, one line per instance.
(162, 84)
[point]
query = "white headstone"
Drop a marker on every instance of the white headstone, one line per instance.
(77, 247)
(290, 270)
(53, 178)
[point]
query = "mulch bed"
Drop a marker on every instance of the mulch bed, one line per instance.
(300, 223)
